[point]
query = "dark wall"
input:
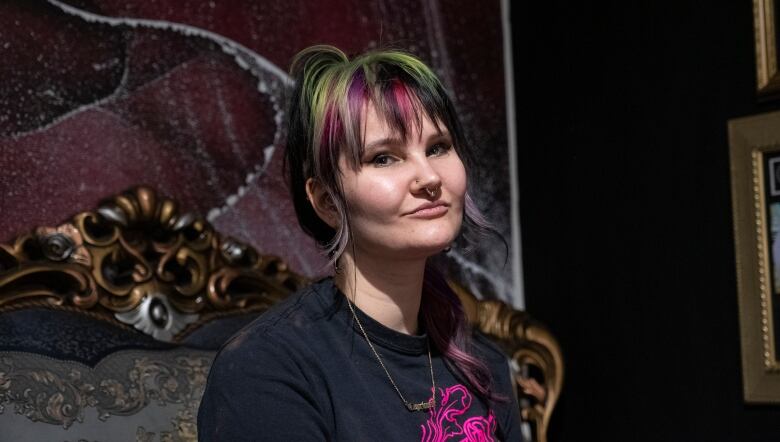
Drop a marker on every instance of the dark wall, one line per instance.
(626, 212)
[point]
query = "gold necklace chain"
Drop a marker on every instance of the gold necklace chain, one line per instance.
(425, 405)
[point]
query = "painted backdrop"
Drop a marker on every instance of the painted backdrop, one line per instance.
(188, 96)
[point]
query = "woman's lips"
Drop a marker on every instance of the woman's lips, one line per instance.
(428, 211)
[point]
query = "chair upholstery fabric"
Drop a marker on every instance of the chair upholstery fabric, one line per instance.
(67, 377)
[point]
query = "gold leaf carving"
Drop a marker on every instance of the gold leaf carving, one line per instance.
(135, 245)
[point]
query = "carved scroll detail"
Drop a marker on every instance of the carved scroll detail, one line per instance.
(137, 260)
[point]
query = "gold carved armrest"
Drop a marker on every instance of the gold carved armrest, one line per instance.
(535, 354)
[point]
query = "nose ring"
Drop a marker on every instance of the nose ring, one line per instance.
(428, 190)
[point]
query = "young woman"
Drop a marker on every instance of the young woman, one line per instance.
(380, 351)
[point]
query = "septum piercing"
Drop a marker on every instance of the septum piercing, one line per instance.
(428, 190)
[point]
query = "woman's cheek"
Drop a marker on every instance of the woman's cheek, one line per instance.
(458, 186)
(383, 195)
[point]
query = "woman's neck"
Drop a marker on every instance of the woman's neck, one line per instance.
(388, 292)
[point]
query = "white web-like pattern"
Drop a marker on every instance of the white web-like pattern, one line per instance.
(271, 81)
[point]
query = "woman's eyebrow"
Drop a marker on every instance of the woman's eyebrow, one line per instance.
(440, 135)
(391, 141)
(387, 141)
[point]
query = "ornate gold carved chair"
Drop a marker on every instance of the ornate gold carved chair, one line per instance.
(110, 321)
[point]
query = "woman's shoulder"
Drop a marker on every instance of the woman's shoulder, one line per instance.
(488, 350)
(266, 373)
(497, 361)
(287, 322)
(500, 367)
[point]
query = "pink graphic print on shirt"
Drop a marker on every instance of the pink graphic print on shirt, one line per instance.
(443, 425)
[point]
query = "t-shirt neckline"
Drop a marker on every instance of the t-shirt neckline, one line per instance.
(377, 332)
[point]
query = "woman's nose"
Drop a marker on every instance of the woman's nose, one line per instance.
(427, 179)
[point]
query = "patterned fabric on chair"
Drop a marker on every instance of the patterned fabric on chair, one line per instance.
(109, 324)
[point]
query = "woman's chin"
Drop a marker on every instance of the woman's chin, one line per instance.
(426, 249)
(405, 245)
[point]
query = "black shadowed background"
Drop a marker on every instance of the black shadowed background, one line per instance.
(626, 212)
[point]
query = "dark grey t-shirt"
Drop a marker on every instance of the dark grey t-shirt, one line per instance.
(303, 372)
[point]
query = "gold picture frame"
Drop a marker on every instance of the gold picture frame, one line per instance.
(767, 76)
(755, 185)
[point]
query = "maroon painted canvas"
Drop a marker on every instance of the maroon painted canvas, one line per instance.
(188, 96)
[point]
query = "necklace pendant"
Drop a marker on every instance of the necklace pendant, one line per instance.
(420, 406)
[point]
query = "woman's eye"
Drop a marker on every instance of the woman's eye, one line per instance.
(439, 149)
(382, 160)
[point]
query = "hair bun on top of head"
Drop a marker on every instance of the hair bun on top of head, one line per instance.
(316, 56)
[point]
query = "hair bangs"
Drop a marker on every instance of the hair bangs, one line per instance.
(401, 101)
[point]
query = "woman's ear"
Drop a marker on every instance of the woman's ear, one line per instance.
(321, 202)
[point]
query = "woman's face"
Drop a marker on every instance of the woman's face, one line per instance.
(406, 200)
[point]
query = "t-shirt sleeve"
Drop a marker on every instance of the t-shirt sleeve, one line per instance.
(259, 392)
(512, 425)
(508, 412)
